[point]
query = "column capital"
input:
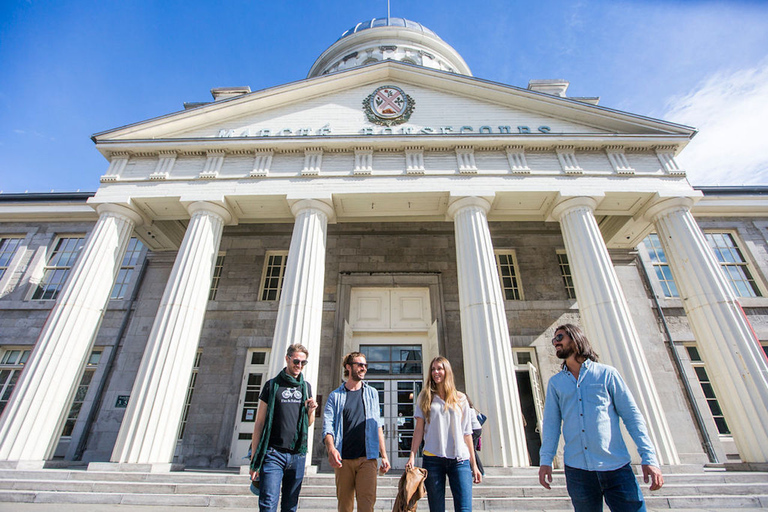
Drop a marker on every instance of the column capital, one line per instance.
(459, 203)
(659, 206)
(297, 206)
(124, 211)
(219, 209)
(565, 204)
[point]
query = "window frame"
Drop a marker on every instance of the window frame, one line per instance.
(700, 363)
(7, 271)
(89, 372)
(569, 290)
(51, 254)
(747, 262)
(128, 283)
(660, 286)
(516, 274)
(281, 277)
(16, 368)
(218, 270)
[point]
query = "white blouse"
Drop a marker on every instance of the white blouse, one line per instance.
(445, 431)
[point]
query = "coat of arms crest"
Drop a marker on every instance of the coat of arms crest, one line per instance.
(388, 105)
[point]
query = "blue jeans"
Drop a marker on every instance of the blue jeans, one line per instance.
(459, 477)
(280, 469)
(619, 488)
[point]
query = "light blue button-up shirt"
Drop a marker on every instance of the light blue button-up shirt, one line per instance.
(333, 418)
(589, 410)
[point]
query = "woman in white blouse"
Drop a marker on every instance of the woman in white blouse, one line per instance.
(444, 422)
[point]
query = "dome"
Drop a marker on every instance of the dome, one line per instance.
(380, 39)
(388, 22)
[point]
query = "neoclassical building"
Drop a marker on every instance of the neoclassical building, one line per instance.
(395, 204)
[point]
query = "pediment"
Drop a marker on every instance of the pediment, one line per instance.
(445, 104)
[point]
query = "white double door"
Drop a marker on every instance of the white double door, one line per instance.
(397, 399)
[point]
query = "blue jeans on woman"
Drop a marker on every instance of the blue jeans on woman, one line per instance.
(284, 470)
(619, 487)
(459, 476)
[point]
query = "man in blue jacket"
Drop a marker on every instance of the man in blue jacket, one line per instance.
(588, 399)
(354, 438)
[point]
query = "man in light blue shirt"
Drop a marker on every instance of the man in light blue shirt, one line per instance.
(588, 399)
(354, 437)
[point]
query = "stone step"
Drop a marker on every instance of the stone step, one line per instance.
(329, 490)
(314, 503)
(713, 489)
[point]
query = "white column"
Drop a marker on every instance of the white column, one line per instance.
(299, 316)
(33, 419)
(735, 361)
(489, 372)
(151, 422)
(607, 318)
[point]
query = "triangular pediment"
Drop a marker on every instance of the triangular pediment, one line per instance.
(444, 104)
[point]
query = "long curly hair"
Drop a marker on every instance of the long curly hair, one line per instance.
(452, 396)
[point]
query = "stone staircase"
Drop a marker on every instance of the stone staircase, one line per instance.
(688, 488)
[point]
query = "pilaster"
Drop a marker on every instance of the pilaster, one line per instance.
(488, 363)
(735, 362)
(607, 318)
(32, 421)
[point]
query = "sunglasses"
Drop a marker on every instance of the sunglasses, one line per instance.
(558, 338)
(298, 362)
(361, 365)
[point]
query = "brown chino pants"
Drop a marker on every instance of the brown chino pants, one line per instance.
(356, 477)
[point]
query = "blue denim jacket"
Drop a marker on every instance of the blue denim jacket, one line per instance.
(333, 418)
(589, 410)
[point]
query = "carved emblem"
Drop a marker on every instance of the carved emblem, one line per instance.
(388, 105)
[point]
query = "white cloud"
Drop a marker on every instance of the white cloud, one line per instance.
(730, 110)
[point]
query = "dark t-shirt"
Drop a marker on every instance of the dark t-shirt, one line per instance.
(285, 419)
(353, 441)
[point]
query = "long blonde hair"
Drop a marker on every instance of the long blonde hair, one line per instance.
(452, 397)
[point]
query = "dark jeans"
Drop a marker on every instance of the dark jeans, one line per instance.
(459, 476)
(280, 469)
(619, 488)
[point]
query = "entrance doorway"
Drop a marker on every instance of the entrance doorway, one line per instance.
(531, 399)
(254, 377)
(395, 371)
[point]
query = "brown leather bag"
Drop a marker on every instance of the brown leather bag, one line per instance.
(410, 490)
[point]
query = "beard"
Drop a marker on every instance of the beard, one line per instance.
(564, 352)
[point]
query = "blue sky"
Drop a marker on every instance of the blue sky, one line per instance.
(71, 68)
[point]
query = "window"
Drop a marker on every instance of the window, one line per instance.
(272, 278)
(392, 359)
(80, 394)
(125, 275)
(733, 263)
(59, 264)
(660, 265)
(216, 277)
(565, 271)
(8, 248)
(709, 391)
(190, 391)
(506, 263)
(12, 363)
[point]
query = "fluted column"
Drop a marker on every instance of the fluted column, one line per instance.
(299, 316)
(488, 364)
(151, 422)
(33, 419)
(735, 361)
(607, 318)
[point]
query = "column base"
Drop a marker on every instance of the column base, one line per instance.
(746, 466)
(22, 464)
(126, 467)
